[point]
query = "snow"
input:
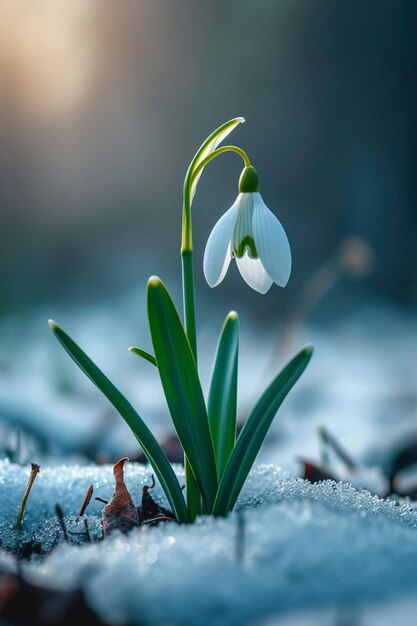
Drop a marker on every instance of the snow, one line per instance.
(312, 554)
(325, 548)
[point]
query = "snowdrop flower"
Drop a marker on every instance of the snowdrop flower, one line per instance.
(251, 234)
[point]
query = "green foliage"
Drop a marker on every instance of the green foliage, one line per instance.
(216, 464)
(142, 353)
(182, 388)
(254, 432)
(203, 449)
(147, 441)
(222, 400)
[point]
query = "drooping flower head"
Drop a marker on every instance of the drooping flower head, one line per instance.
(250, 233)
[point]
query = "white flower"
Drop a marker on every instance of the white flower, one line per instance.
(250, 233)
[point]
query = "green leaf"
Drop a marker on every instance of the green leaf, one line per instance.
(143, 354)
(255, 430)
(209, 145)
(182, 388)
(222, 401)
(147, 441)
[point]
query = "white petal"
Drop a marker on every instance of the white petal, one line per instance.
(271, 242)
(253, 272)
(217, 254)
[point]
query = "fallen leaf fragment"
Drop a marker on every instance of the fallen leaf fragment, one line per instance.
(151, 513)
(315, 474)
(120, 513)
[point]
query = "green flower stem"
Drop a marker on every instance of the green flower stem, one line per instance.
(192, 490)
(187, 242)
(195, 169)
(189, 299)
(193, 173)
(217, 153)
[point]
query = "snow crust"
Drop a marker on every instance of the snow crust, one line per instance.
(326, 549)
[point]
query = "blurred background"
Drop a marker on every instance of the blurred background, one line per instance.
(102, 106)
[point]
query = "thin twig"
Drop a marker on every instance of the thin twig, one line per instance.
(159, 518)
(60, 515)
(87, 530)
(86, 501)
(35, 470)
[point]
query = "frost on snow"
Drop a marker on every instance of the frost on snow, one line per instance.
(291, 546)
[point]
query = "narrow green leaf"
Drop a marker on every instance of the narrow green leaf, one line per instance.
(182, 388)
(255, 430)
(330, 441)
(147, 441)
(193, 493)
(209, 145)
(222, 400)
(143, 354)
